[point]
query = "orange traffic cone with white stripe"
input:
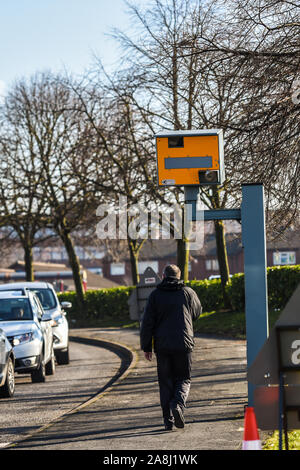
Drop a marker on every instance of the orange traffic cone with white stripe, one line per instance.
(251, 439)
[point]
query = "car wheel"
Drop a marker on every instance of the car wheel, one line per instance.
(62, 357)
(50, 366)
(39, 374)
(8, 389)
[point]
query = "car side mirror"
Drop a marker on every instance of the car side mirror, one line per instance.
(66, 305)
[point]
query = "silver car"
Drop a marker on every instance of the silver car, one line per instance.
(54, 311)
(29, 332)
(7, 366)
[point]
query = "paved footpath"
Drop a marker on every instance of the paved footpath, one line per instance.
(128, 415)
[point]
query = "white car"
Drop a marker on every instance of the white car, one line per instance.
(53, 311)
(30, 334)
(7, 367)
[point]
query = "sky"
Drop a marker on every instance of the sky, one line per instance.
(37, 35)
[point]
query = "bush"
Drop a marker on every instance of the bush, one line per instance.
(282, 282)
(102, 306)
(236, 292)
(209, 293)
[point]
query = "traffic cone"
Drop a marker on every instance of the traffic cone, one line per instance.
(251, 439)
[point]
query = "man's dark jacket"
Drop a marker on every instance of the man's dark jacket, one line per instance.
(169, 314)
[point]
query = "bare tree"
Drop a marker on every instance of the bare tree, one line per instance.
(22, 188)
(49, 130)
(260, 40)
(161, 86)
(113, 162)
(174, 83)
(206, 65)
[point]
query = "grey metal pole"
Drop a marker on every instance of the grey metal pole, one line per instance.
(255, 265)
(190, 198)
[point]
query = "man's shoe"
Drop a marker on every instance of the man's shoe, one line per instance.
(169, 423)
(178, 417)
(169, 427)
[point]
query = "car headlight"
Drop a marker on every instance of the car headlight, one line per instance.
(57, 321)
(24, 338)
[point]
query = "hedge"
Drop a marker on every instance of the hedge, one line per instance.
(106, 306)
(282, 282)
(209, 292)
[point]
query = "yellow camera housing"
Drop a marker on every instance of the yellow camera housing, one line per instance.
(187, 158)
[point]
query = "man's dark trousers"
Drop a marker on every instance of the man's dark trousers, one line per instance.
(174, 378)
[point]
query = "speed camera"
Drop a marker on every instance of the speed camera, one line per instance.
(187, 158)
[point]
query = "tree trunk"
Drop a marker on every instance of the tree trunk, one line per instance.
(75, 266)
(134, 250)
(183, 258)
(222, 259)
(28, 260)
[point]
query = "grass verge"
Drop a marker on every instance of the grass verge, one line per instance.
(225, 323)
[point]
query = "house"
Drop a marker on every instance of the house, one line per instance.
(204, 263)
(58, 274)
(113, 267)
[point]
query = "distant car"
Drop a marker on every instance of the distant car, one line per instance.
(29, 332)
(54, 310)
(216, 276)
(7, 367)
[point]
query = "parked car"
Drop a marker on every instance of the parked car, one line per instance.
(7, 367)
(54, 310)
(29, 332)
(216, 276)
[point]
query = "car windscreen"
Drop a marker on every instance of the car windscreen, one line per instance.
(15, 291)
(15, 310)
(46, 298)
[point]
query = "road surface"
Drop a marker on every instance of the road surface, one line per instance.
(35, 405)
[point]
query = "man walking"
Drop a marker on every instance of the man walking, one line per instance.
(168, 320)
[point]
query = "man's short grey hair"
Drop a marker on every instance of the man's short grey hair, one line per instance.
(172, 271)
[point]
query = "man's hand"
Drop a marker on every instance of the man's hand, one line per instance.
(148, 356)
